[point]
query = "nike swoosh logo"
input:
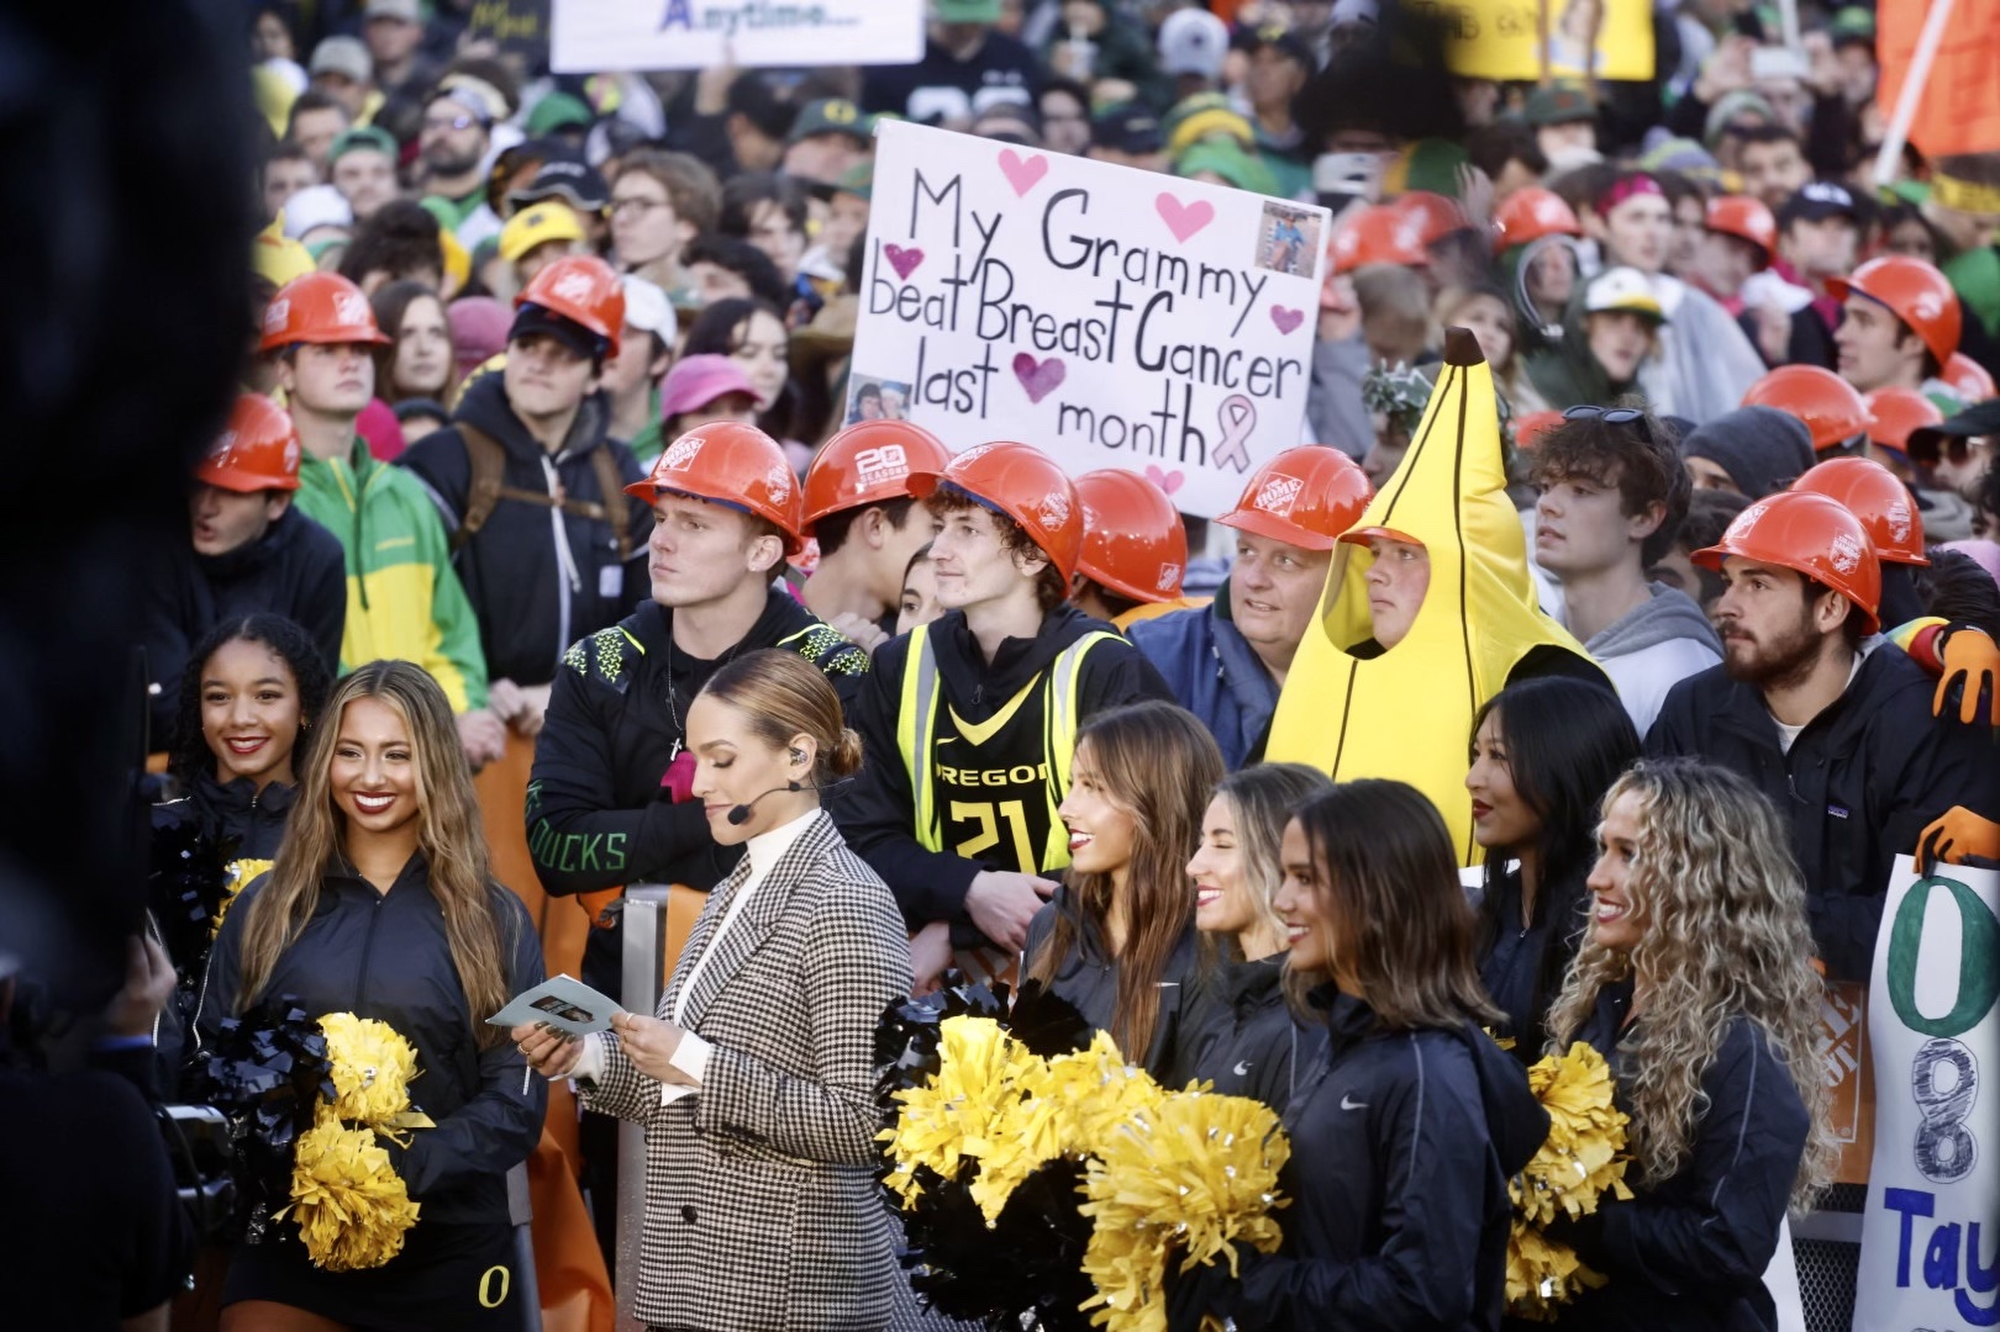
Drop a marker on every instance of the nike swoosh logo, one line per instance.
(1242, 1069)
(1347, 1104)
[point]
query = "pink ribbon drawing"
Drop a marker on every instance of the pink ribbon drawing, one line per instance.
(1237, 417)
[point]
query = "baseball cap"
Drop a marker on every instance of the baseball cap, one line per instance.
(697, 381)
(579, 185)
(1929, 441)
(1852, 25)
(1128, 128)
(1193, 41)
(361, 138)
(532, 318)
(1227, 159)
(1623, 289)
(342, 55)
(407, 10)
(1205, 115)
(545, 222)
(1817, 202)
(967, 11)
(1279, 37)
(831, 115)
(648, 309)
(316, 206)
(558, 111)
(1560, 103)
(858, 180)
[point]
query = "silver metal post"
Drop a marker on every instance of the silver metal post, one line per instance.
(643, 942)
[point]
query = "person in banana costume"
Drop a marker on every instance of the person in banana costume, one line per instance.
(1400, 704)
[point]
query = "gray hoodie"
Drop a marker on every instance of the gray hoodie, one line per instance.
(1653, 646)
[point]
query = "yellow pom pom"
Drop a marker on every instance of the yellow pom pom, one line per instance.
(1583, 1158)
(1186, 1168)
(241, 873)
(372, 1066)
(352, 1208)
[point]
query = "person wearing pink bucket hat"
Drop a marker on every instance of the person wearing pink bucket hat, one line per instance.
(700, 390)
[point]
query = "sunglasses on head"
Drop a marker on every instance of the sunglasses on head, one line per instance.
(1608, 415)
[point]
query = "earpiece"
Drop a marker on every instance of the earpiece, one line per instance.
(798, 756)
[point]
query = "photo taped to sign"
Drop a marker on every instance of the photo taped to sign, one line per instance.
(1109, 316)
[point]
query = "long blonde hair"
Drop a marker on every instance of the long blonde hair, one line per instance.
(1725, 938)
(1158, 764)
(1262, 800)
(451, 838)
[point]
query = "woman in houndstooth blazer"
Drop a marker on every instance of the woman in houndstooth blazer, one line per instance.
(756, 1081)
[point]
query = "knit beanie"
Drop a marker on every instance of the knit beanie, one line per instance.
(1762, 448)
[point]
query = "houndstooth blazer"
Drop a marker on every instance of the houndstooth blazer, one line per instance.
(762, 1210)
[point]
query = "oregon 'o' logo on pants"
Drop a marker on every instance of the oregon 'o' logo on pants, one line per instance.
(494, 1284)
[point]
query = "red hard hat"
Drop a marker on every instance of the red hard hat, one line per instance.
(584, 290)
(319, 307)
(1024, 484)
(1915, 293)
(1746, 218)
(1529, 427)
(1830, 406)
(869, 463)
(732, 464)
(1894, 412)
(1307, 496)
(1811, 534)
(258, 450)
(1969, 378)
(1436, 215)
(1529, 214)
(1378, 234)
(1871, 492)
(1133, 541)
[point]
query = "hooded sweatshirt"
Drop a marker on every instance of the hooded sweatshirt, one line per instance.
(538, 578)
(403, 600)
(1566, 373)
(1652, 647)
(1706, 362)
(1763, 449)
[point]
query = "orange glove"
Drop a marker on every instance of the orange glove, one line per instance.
(1970, 658)
(1956, 837)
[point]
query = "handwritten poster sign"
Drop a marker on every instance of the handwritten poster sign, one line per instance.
(1930, 1237)
(1504, 39)
(603, 35)
(514, 27)
(1109, 316)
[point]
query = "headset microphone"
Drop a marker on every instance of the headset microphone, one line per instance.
(740, 814)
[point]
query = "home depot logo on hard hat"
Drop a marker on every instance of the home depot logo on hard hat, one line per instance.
(681, 453)
(1054, 509)
(1844, 553)
(778, 480)
(1899, 520)
(351, 307)
(1170, 574)
(574, 287)
(276, 313)
(1278, 494)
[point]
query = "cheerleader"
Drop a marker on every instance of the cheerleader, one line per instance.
(1117, 938)
(1407, 1130)
(1696, 983)
(1237, 1032)
(1544, 752)
(380, 904)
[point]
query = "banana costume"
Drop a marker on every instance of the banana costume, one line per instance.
(1407, 713)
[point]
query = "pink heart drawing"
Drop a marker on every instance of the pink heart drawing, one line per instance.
(905, 261)
(1184, 219)
(1023, 173)
(1039, 379)
(1168, 482)
(1285, 319)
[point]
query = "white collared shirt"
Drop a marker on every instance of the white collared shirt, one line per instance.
(764, 850)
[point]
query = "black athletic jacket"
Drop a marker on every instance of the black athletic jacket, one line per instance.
(1691, 1253)
(256, 819)
(878, 818)
(1516, 965)
(1401, 1152)
(297, 569)
(1860, 782)
(597, 815)
(1087, 976)
(385, 956)
(538, 578)
(1236, 1031)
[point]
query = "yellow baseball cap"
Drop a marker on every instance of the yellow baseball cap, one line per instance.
(550, 220)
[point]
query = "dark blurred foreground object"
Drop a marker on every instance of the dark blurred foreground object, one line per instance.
(129, 310)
